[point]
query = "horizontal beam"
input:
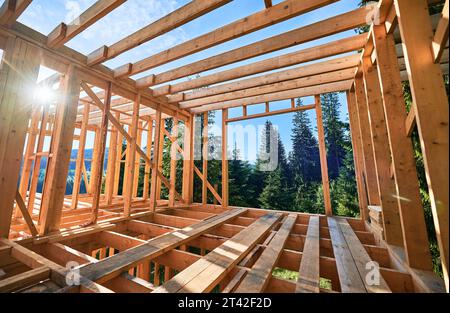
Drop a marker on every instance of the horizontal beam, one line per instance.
(283, 95)
(306, 55)
(179, 17)
(294, 37)
(276, 14)
(280, 84)
(271, 113)
(65, 32)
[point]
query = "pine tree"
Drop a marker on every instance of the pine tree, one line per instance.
(239, 174)
(304, 163)
(277, 193)
(334, 133)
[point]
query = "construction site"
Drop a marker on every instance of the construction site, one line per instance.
(107, 237)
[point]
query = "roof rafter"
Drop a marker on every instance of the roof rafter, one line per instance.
(277, 96)
(276, 14)
(255, 83)
(65, 32)
(306, 55)
(181, 16)
(318, 79)
(294, 37)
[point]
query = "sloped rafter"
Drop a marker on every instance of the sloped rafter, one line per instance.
(65, 32)
(276, 14)
(179, 17)
(294, 37)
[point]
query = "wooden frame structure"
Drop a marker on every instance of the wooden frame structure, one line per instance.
(126, 237)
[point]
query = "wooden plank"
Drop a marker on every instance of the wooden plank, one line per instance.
(130, 168)
(80, 157)
(114, 266)
(323, 158)
(440, 39)
(271, 113)
(276, 82)
(156, 161)
(22, 280)
(177, 18)
(309, 272)
(282, 95)
(310, 54)
(357, 154)
(305, 55)
(203, 275)
(20, 68)
(225, 173)
(11, 10)
(63, 33)
(97, 175)
(430, 97)
(301, 35)
(187, 157)
(366, 143)
(205, 157)
(173, 162)
(361, 258)
(259, 20)
(257, 279)
(268, 3)
(382, 155)
(26, 215)
(58, 165)
(414, 229)
(349, 277)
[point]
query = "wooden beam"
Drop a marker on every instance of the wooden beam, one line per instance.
(360, 257)
(349, 277)
(20, 67)
(156, 157)
(111, 167)
(58, 166)
(282, 95)
(272, 113)
(187, 187)
(268, 3)
(130, 168)
(258, 277)
(309, 272)
(205, 157)
(440, 39)
(177, 18)
(11, 10)
(28, 278)
(429, 95)
(225, 173)
(272, 83)
(26, 215)
(358, 157)
(323, 158)
(112, 267)
(203, 275)
(382, 155)
(65, 32)
(259, 20)
(310, 54)
(80, 157)
(298, 36)
(173, 162)
(366, 143)
(415, 239)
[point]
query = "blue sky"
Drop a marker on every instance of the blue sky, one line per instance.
(45, 15)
